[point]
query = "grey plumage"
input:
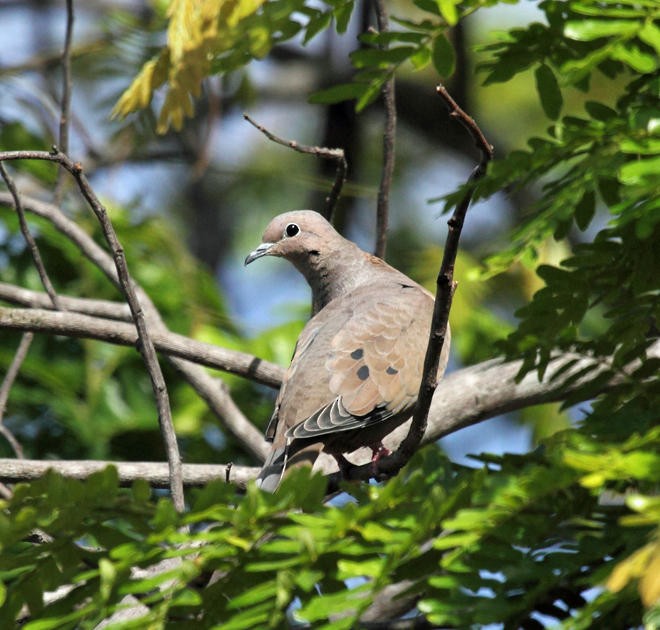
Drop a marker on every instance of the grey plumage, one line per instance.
(357, 365)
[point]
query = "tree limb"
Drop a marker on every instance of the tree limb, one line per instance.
(34, 299)
(445, 284)
(465, 397)
(124, 334)
(155, 473)
(389, 138)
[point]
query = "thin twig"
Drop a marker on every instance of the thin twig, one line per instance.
(5, 388)
(29, 239)
(145, 346)
(445, 283)
(65, 109)
(337, 155)
(167, 342)
(389, 136)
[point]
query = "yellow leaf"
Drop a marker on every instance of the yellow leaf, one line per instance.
(198, 31)
(649, 583)
(643, 564)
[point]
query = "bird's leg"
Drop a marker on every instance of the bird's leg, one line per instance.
(378, 451)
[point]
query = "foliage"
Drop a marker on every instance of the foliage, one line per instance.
(568, 532)
(517, 537)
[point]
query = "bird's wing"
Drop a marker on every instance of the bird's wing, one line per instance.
(373, 360)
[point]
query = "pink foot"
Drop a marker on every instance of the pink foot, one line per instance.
(378, 451)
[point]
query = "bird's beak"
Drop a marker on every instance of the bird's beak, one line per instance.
(262, 250)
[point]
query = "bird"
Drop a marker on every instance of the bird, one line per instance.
(357, 364)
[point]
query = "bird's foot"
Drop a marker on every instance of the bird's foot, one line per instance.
(378, 452)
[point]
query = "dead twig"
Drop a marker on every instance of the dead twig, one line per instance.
(29, 239)
(336, 155)
(5, 388)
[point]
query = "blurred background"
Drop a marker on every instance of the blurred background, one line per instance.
(190, 205)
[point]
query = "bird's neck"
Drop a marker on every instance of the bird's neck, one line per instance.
(338, 273)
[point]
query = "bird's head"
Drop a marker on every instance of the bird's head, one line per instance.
(300, 236)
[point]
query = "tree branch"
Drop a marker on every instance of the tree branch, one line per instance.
(389, 137)
(65, 108)
(5, 388)
(490, 389)
(145, 347)
(336, 155)
(99, 308)
(155, 473)
(445, 283)
(29, 239)
(88, 327)
(465, 397)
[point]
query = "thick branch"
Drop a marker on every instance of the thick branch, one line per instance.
(85, 326)
(465, 397)
(155, 473)
(489, 389)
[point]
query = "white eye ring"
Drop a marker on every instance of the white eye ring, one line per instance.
(291, 230)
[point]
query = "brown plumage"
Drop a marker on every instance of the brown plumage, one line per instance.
(357, 365)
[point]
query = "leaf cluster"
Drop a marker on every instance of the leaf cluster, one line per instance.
(517, 537)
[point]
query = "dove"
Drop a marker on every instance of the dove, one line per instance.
(357, 364)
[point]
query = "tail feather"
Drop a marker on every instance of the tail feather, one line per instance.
(271, 472)
(283, 457)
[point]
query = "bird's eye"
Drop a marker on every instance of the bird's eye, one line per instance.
(291, 230)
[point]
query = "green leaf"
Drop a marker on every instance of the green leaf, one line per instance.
(637, 172)
(585, 210)
(338, 93)
(588, 30)
(421, 58)
(342, 14)
(444, 57)
(448, 11)
(548, 91)
(650, 34)
(632, 55)
(380, 58)
(316, 25)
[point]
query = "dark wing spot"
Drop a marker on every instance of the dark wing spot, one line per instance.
(363, 373)
(357, 354)
(390, 370)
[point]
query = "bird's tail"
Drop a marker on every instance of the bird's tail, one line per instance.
(273, 468)
(282, 458)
